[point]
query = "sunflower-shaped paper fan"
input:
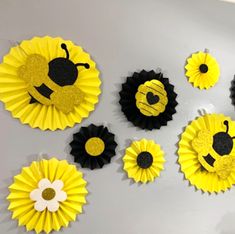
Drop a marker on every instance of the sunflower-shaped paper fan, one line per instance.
(202, 70)
(49, 83)
(148, 100)
(47, 195)
(93, 146)
(207, 153)
(143, 161)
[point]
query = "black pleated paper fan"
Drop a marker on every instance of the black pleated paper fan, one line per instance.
(233, 91)
(151, 98)
(93, 146)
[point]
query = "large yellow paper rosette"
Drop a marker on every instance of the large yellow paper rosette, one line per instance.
(202, 70)
(29, 86)
(207, 153)
(143, 161)
(47, 195)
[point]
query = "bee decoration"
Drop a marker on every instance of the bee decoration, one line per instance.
(214, 150)
(207, 153)
(52, 83)
(49, 83)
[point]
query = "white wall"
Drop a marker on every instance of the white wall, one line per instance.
(124, 36)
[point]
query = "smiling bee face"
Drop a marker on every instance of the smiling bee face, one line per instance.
(214, 151)
(151, 98)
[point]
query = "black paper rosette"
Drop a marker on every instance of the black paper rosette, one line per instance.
(93, 146)
(148, 100)
(233, 91)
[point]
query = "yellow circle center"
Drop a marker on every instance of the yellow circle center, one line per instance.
(94, 146)
(48, 194)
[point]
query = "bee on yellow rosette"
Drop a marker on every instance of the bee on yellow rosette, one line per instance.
(207, 153)
(49, 83)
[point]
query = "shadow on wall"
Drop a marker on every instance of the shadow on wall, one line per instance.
(227, 224)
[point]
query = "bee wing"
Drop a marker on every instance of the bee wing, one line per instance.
(224, 166)
(203, 142)
(35, 70)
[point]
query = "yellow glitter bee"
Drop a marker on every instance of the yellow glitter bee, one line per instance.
(49, 83)
(214, 151)
(207, 152)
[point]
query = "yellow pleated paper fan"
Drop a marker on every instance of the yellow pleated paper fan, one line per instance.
(202, 70)
(143, 161)
(47, 195)
(207, 153)
(49, 83)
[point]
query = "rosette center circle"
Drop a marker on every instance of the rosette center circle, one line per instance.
(48, 194)
(144, 160)
(203, 68)
(95, 146)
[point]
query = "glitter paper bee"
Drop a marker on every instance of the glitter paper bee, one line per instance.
(151, 98)
(52, 83)
(214, 151)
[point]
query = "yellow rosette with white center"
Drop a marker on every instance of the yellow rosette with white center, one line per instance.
(143, 161)
(49, 83)
(47, 195)
(202, 70)
(207, 153)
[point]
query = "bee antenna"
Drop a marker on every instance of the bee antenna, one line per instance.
(227, 126)
(64, 47)
(86, 65)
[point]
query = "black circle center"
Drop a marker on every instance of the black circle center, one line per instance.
(62, 71)
(203, 68)
(222, 143)
(144, 160)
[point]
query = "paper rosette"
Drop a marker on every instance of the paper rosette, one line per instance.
(233, 91)
(49, 83)
(93, 146)
(143, 161)
(148, 100)
(207, 153)
(47, 195)
(202, 70)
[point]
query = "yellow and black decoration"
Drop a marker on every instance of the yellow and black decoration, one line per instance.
(49, 83)
(143, 161)
(151, 98)
(202, 70)
(148, 100)
(207, 152)
(93, 146)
